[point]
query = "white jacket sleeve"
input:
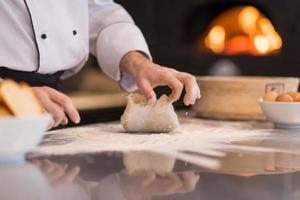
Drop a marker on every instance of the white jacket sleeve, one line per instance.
(112, 35)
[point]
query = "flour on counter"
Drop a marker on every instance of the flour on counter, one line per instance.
(206, 137)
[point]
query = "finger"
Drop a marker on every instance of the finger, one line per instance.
(69, 176)
(147, 90)
(65, 121)
(65, 102)
(175, 183)
(37, 163)
(191, 87)
(199, 93)
(65, 166)
(57, 173)
(160, 186)
(167, 185)
(148, 179)
(47, 166)
(190, 181)
(55, 110)
(175, 85)
(51, 124)
(194, 98)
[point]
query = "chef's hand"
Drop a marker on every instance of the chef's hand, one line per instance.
(58, 105)
(149, 75)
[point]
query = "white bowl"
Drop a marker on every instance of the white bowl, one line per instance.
(282, 114)
(19, 135)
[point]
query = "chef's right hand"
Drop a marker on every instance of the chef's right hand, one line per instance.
(58, 105)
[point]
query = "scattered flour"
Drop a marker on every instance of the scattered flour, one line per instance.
(206, 137)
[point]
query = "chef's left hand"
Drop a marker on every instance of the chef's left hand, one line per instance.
(58, 105)
(149, 75)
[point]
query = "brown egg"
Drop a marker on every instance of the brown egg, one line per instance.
(292, 94)
(270, 96)
(284, 98)
(297, 98)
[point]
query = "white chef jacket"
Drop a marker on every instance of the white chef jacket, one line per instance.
(46, 36)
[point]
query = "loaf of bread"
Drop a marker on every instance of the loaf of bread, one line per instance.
(4, 111)
(18, 99)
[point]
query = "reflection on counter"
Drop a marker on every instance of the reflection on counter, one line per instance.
(46, 180)
(242, 176)
(139, 175)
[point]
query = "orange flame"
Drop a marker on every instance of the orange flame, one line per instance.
(242, 30)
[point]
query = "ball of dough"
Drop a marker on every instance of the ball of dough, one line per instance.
(139, 116)
(270, 96)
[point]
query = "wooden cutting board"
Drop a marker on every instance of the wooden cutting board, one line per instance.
(236, 98)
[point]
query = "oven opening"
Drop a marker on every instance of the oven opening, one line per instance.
(241, 30)
(233, 29)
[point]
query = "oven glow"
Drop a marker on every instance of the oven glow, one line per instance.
(216, 39)
(262, 44)
(242, 30)
(248, 18)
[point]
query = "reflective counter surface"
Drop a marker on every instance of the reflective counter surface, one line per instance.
(250, 166)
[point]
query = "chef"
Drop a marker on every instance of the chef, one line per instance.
(45, 41)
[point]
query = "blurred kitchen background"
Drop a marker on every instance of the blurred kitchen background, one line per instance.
(203, 37)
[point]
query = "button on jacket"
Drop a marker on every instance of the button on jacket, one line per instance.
(46, 36)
